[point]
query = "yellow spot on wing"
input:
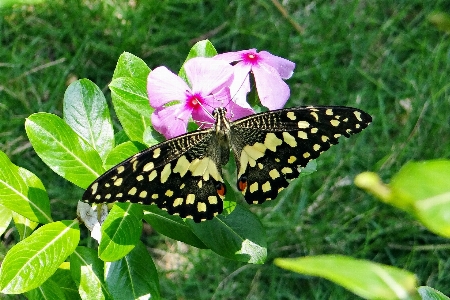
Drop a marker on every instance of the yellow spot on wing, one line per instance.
(272, 142)
(302, 135)
(266, 187)
(201, 207)
(190, 199)
(212, 200)
(291, 116)
(289, 139)
(334, 122)
(358, 115)
(274, 174)
(329, 112)
(253, 187)
(165, 173)
(169, 193)
(156, 152)
(177, 202)
(148, 166)
(182, 166)
(143, 194)
(303, 124)
(120, 169)
(118, 182)
(132, 191)
(94, 188)
(152, 175)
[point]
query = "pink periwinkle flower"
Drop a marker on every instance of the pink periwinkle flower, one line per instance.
(268, 70)
(209, 88)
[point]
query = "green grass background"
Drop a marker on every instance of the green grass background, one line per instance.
(384, 57)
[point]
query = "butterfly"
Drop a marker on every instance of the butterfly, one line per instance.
(183, 175)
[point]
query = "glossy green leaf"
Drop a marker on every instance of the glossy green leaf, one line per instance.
(366, 279)
(63, 150)
(32, 261)
(5, 218)
(239, 236)
(24, 226)
(49, 290)
(134, 276)
(201, 49)
(171, 226)
(130, 100)
(88, 273)
(425, 187)
(22, 192)
(428, 293)
(86, 112)
(130, 65)
(63, 278)
(122, 152)
(120, 231)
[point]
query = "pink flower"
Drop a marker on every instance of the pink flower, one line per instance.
(175, 101)
(268, 70)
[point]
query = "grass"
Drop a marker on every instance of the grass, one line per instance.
(383, 57)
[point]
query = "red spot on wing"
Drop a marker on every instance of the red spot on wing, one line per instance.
(221, 189)
(242, 183)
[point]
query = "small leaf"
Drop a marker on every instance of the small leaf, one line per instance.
(171, 226)
(130, 100)
(201, 49)
(130, 65)
(122, 152)
(23, 225)
(22, 192)
(134, 276)
(239, 236)
(63, 278)
(62, 149)
(120, 231)
(428, 293)
(86, 111)
(49, 290)
(88, 272)
(32, 261)
(5, 218)
(365, 279)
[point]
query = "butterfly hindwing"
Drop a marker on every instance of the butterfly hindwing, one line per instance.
(269, 147)
(181, 175)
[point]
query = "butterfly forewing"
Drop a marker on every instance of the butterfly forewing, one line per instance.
(269, 147)
(181, 175)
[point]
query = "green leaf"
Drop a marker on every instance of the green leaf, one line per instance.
(171, 226)
(122, 152)
(428, 293)
(130, 65)
(120, 231)
(5, 218)
(21, 191)
(130, 100)
(23, 225)
(88, 273)
(32, 261)
(152, 137)
(49, 290)
(86, 111)
(201, 49)
(63, 278)
(425, 187)
(366, 279)
(134, 276)
(63, 150)
(239, 236)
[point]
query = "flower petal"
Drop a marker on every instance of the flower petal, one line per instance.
(241, 84)
(233, 56)
(234, 111)
(273, 92)
(207, 75)
(171, 121)
(163, 86)
(283, 66)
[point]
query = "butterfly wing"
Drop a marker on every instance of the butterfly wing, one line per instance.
(181, 175)
(269, 147)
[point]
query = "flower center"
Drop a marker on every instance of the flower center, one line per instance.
(194, 101)
(251, 58)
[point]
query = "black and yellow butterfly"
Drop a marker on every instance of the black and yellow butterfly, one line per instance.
(183, 175)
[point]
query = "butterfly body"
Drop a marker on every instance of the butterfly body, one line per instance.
(183, 175)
